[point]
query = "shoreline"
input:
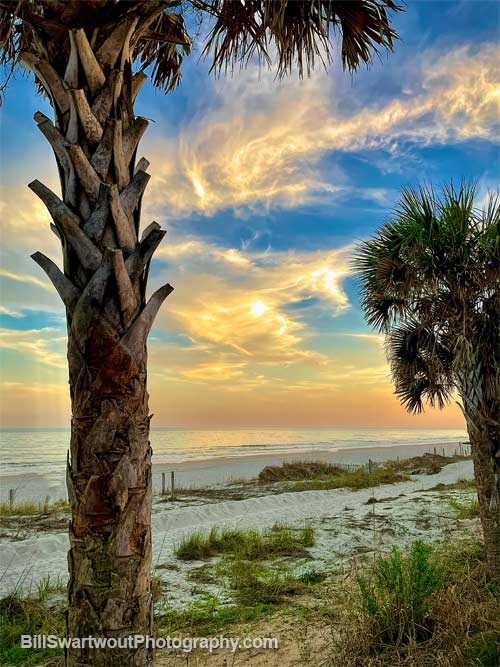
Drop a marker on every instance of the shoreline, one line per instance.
(217, 471)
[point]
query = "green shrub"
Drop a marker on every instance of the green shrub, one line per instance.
(397, 595)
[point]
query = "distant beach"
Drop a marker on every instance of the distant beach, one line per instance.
(32, 462)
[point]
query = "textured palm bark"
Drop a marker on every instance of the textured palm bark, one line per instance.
(483, 425)
(95, 138)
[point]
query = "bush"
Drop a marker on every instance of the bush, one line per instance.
(397, 595)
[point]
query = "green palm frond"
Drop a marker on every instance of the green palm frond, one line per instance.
(430, 280)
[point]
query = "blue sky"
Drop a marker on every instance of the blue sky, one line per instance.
(264, 187)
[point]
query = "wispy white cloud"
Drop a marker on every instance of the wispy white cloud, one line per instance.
(243, 305)
(263, 143)
(45, 346)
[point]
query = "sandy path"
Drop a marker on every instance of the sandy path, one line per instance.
(343, 520)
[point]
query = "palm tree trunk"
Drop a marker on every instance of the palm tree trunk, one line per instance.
(483, 425)
(95, 138)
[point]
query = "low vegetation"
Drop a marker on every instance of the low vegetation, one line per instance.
(297, 470)
(396, 595)
(465, 509)
(430, 606)
(208, 616)
(255, 583)
(459, 485)
(279, 541)
(422, 606)
(30, 615)
(32, 508)
(358, 479)
(257, 590)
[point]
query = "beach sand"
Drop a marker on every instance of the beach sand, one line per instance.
(344, 521)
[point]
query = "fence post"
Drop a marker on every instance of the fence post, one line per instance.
(370, 466)
(172, 485)
(12, 493)
(163, 484)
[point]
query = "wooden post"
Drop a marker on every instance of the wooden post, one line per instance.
(12, 493)
(443, 451)
(434, 450)
(163, 484)
(172, 485)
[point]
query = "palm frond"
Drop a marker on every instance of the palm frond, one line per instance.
(430, 280)
(299, 30)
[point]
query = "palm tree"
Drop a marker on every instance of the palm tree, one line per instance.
(82, 55)
(431, 282)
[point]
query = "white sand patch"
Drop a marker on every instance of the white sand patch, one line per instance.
(344, 523)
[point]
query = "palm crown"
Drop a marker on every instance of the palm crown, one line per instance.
(431, 282)
(298, 30)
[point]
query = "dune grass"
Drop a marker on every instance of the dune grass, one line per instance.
(208, 616)
(29, 615)
(298, 470)
(430, 602)
(361, 478)
(281, 540)
(32, 507)
(466, 509)
(254, 582)
(459, 485)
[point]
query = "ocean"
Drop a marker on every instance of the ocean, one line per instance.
(43, 451)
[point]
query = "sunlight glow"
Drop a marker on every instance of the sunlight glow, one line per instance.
(200, 191)
(258, 308)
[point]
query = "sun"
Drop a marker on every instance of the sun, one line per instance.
(258, 308)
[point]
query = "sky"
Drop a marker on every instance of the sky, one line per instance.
(265, 187)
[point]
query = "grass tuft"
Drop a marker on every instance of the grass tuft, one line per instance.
(465, 510)
(32, 507)
(279, 541)
(28, 616)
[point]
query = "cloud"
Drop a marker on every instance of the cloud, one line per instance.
(250, 308)
(261, 142)
(27, 279)
(45, 346)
